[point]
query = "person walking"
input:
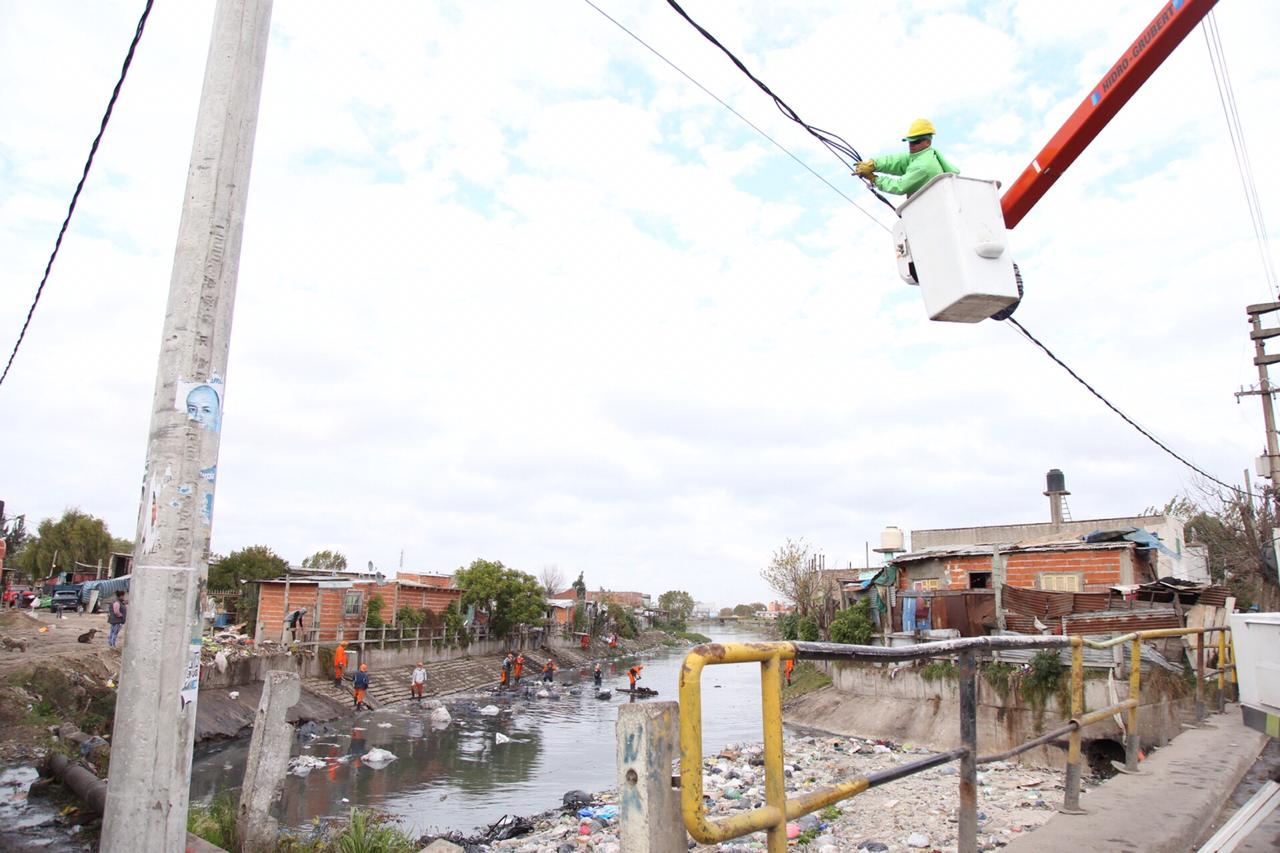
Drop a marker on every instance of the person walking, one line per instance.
(116, 614)
(519, 667)
(360, 683)
(549, 671)
(339, 663)
(418, 681)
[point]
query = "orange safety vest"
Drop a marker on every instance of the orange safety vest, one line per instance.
(340, 658)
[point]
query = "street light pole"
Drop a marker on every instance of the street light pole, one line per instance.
(155, 715)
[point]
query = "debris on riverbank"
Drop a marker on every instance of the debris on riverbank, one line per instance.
(916, 813)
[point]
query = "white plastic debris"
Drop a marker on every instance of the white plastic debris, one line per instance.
(384, 725)
(440, 716)
(501, 738)
(304, 764)
(234, 694)
(378, 757)
(917, 840)
(542, 694)
(489, 710)
(221, 660)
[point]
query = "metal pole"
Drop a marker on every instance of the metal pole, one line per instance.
(1071, 798)
(1222, 672)
(1199, 679)
(156, 704)
(967, 831)
(775, 791)
(1132, 743)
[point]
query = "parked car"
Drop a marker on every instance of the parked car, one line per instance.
(65, 597)
(18, 596)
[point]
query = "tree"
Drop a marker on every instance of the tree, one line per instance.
(758, 606)
(623, 622)
(726, 611)
(511, 598)
(743, 611)
(77, 537)
(678, 604)
(15, 534)
(326, 561)
(580, 587)
(257, 562)
(552, 580)
(795, 576)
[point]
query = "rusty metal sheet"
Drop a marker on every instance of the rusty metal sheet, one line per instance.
(1122, 621)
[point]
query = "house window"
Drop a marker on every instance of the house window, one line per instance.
(979, 580)
(1067, 582)
(352, 604)
(929, 583)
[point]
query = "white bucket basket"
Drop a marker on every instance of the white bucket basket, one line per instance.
(951, 234)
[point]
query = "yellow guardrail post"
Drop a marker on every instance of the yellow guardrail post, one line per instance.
(775, 783)
(1200, 678)
(1071, 797)
(1231, 674)
(1221, 671)
(1132, 743)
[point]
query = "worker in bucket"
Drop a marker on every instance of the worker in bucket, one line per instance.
(905, 174)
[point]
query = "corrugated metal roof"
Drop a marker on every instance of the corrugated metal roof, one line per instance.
(1014, 548)
(1120, 621)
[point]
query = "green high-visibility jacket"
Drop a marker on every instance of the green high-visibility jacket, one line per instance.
(916, 170)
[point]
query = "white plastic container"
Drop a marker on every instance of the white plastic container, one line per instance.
(1256, 640)
(952, 234)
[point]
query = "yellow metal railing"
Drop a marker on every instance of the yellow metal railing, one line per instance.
(771, 818)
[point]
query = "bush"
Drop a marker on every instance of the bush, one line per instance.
(1045, 677)
(216, 822)
(374, 619)
(807, 629)
(455, 627)
(788, 626)
(938, 670)
(853, 624)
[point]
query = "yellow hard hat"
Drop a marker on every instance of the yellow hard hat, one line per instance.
(919, 127)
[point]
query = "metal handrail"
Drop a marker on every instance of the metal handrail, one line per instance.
(772, 817)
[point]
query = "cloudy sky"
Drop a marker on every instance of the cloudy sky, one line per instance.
(511, 287)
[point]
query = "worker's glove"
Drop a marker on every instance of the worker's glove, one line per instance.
(864, 168)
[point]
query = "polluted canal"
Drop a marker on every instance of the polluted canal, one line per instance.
(482, 766)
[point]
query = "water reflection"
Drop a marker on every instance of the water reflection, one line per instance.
(460, 777)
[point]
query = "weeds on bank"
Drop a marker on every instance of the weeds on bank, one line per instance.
(805, 678)
(690, 637)
(215, 822)
(362, 832)
(938, 670)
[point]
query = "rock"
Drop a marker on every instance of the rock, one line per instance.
(441, 846)
(917, 840)
(489, 710)
(873, 846)
(440, 716)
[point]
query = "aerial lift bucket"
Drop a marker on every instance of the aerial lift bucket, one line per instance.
(951, 240)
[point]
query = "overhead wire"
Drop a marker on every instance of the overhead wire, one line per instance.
(88, 163)
(1130, 421)
(837, 145)
(1240, 148)
(841, 149)
(744, 119)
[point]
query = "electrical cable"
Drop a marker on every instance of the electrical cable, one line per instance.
(834, 143)
(1240, 149)
(71, 209)
(1130, 421)
(744, 119)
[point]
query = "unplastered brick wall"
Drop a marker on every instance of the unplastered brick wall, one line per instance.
(1098, 569)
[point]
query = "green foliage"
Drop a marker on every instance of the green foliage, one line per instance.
(15, 533)
(257, 562)
(678, 604)
(853, 624)
(807, 837)
(623, 622)
(743, 611)
(938, 670)
(455, 627)
(76, 537)
(805, 678)
(1047, 676)
(326, 561)
(807, 629)
(1000, 676)
(580, 587)
(829, 814)
(64, 697)
(373, 614)
(368, 833)
(726, 611)
(511, 598)
(216, 821)
(690, 636)
(789, 626)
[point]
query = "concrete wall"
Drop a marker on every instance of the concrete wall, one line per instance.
(900, 705)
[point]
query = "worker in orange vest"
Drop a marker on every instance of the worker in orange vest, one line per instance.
(519, 666)
(339, 663)
(549, 670)
(586, 641)
(361, 685)
(791, 664)
(634, 675)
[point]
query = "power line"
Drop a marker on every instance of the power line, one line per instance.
(1239, 147)
(744, 119)
(834, 143)
(1130, 421)
(71, 209)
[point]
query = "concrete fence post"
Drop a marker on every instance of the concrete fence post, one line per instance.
(649, 807)
(967, 816)
(268, 762)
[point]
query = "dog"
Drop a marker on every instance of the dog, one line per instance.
(87, 636)
(20, 645)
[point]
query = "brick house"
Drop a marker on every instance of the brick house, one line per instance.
(631, 600)
(336, 602)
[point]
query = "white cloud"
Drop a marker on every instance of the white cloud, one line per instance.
(513, 288)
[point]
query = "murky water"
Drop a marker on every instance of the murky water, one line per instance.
(460, 777)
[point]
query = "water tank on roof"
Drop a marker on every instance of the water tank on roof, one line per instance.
(1055, 481)
(891, 540)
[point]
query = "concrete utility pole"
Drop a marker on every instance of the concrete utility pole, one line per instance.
(156, 705)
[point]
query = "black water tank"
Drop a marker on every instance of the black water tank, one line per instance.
(1055, 481)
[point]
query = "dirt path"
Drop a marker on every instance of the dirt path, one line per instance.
(58, 639)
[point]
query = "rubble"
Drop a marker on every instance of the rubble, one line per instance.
(915, 813)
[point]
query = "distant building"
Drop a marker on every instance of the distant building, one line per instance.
(336, 603)
(703, 610)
